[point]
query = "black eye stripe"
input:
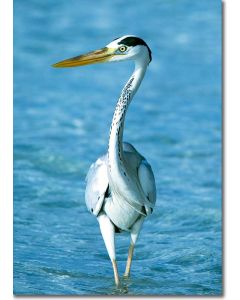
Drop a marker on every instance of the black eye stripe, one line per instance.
(132, 41)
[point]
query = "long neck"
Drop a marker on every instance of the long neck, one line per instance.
(115, 148)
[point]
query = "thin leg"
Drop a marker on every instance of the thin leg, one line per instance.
(134, 235)
(108, 234)
(115, 270)
(129, 260)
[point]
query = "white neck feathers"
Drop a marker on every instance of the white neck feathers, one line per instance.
(115, 149)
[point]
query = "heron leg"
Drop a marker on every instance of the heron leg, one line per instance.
(129, 260)
(115, 271)
(134, 235)
(108, 234)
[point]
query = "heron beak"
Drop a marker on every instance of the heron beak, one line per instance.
(93, 57)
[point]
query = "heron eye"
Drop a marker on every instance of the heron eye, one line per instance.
(123, 48)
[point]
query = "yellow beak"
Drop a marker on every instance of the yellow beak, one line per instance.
(93, 57)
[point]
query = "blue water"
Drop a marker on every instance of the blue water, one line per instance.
(61, 125)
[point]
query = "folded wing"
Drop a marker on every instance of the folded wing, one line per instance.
(97, 185)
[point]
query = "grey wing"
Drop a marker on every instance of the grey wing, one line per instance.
(144, 175)
(97, 184)
(147, 181)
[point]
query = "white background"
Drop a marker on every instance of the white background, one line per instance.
(231, 131)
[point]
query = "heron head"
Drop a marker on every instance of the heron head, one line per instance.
(128, 47)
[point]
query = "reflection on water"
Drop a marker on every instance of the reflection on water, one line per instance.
(62, 120)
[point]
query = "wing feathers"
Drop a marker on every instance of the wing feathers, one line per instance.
(97, 184)
(147, 181)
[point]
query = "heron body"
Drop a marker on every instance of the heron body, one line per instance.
(120, 188)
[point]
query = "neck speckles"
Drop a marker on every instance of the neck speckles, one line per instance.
(121, 108)
(116, 129)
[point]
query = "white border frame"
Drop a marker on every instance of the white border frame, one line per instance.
(231, 151)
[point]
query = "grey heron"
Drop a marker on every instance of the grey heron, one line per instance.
(120, 188)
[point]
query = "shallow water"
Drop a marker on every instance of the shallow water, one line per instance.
(62, 120)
